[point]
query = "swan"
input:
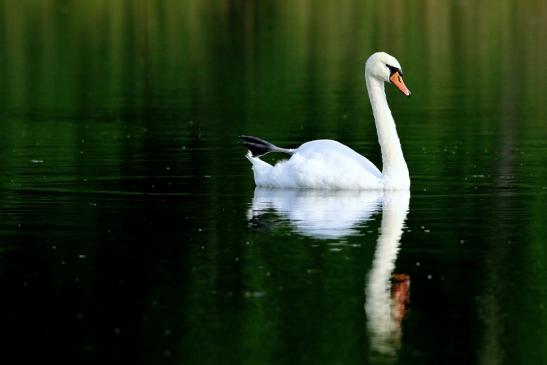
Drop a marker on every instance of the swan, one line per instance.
(328, 164)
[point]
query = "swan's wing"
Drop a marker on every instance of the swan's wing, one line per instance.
(327, 146)
(330, 164)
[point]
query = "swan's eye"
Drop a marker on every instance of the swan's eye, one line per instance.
(392, 70)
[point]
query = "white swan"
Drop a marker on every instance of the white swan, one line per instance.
(328, 164)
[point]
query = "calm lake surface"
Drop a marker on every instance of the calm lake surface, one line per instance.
(131, 229)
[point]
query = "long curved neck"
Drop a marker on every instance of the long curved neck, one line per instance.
(394, 170)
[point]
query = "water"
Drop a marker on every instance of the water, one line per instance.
(131, 229)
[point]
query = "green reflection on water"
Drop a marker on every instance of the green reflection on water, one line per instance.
(120, 119)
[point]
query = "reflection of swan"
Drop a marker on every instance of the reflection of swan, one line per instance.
(328, 164)
(316, 213)
(336, 214)
(386, 303)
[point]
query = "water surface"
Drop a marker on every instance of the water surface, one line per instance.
(131, 229)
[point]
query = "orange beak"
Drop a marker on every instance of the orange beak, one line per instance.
(397, 80)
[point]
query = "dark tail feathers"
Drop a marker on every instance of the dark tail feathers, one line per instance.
(260, 147)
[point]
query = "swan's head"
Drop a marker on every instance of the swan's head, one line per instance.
(387, 69)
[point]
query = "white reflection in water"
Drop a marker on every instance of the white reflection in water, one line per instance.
(387, 294)
(318, 214)
(336, 214)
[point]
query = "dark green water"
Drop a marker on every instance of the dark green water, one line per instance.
(130, 229)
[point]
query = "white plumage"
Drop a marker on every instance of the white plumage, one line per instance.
(320, 164)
